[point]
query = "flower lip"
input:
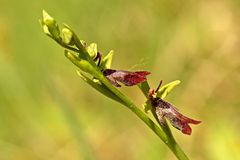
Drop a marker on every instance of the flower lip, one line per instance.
(126, 77)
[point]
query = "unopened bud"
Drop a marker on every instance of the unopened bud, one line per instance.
(67, 36)
(49, 25)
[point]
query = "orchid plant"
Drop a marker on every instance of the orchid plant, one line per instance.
(95, 69)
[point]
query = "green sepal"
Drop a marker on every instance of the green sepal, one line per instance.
(164, 90)
(92, 50)
(82, 62)
(100, 87)
(107, 60)
(76, 40)
(45, 28)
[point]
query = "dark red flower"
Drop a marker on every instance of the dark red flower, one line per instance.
(126, 77)
(164, 109)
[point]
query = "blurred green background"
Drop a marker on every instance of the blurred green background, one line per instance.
(48, 113)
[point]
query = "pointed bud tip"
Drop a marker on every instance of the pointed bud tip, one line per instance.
(44, 12)
(46, 17)
(177, 82)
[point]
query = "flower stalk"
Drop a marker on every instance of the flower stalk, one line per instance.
(95, 69)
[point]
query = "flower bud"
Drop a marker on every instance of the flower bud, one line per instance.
(82, 63)
(50, 26)
(92, 49)
(67, 36)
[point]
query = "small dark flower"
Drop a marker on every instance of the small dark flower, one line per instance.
(126, 77)
(164, 109)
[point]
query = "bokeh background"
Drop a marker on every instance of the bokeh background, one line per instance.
(48, 113)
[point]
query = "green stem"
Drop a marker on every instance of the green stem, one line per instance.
(163, 132)
(86, 63)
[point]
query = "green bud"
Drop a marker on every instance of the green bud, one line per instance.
(82, 63)
(92, 50)
(50, 26)
(75, 40)
(164, 90)
(47, 19)
(45, 29)
(67, 36)
(107, 60)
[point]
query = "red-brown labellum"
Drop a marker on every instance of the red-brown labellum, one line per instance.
(126, 77)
